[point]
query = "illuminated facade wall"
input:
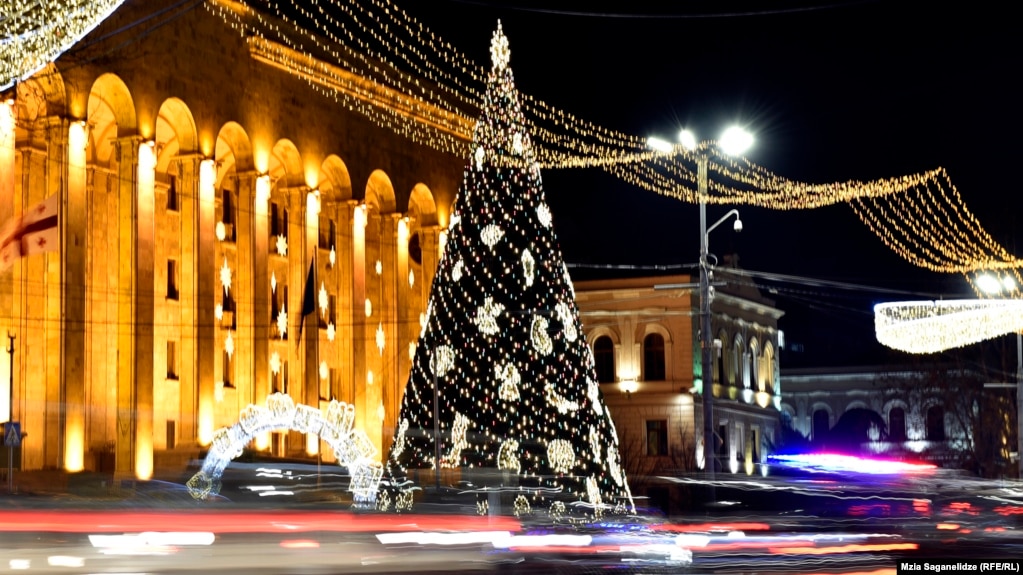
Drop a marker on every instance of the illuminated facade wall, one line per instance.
(643, 324)
(187, 235)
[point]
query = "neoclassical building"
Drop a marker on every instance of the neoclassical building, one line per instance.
(645, 338)
(199, 182)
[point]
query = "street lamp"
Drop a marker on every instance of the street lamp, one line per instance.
(733, 141)
(991, 285)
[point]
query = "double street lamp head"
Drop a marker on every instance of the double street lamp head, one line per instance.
(733, 141)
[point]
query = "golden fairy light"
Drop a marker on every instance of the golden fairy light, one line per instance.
(34, 33)
(375, 59)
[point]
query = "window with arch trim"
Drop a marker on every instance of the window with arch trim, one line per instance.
(735, 372)
(897, 424)
(935, 423)
(721, 359)
(767, 366)
(653, 357)
(604, 359)
(821, 424)
(756, 376)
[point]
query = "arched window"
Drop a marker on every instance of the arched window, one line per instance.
(754, 367)
(897, 424)
(935, 423)
(604, 359)
(767, 366)
(735, 375)
(821, 424)
(720, 360)
(653, 357)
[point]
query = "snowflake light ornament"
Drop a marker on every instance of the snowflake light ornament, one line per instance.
(521, 506)
(282, 245)
(528, 267)
(593, 394)
(381, 337)
(567, 321)
(491, 234)
(560, 455)
(443, 360)
(282, 323)
(557, 510)
(543, 213)
(562, 403)
(331, 331)
(324, 299)
(459, 436)
(539, 336)
(479, 156)
(509, 377)
(229, 345)
(218, 311)
(486, 316)
(508, 456)
(225, 276)
(593, 492)
(613, 466)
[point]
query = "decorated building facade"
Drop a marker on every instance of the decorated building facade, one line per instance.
(203, 186)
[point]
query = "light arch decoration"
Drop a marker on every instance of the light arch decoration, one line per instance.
(352, 447)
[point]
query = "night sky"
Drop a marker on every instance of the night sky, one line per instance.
(832, 92)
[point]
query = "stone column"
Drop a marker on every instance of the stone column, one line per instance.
(245, 285)
(73, 257)
(135, 306)
(260, 319)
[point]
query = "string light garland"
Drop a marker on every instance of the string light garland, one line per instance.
(377, 60)
(499, 352)
(34, 33)
(933, 326)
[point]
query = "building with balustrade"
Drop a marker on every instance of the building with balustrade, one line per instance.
(201, 183)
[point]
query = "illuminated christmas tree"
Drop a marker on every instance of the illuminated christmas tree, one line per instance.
(503, 345)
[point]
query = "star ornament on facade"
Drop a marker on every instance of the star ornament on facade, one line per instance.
(324, 299)
(282, 245)
(275, 363)
(331, 331)
(225, 276)
(500, 53)
(282, 323)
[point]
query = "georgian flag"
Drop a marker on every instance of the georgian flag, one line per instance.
(35, 231)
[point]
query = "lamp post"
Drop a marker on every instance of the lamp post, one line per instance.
(991, 285)
(733, 141)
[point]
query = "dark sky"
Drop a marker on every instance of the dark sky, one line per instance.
(832, 91)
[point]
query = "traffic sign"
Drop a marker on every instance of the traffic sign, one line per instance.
(12, 434)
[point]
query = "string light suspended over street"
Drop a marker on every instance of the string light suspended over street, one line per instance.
(373, 57)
